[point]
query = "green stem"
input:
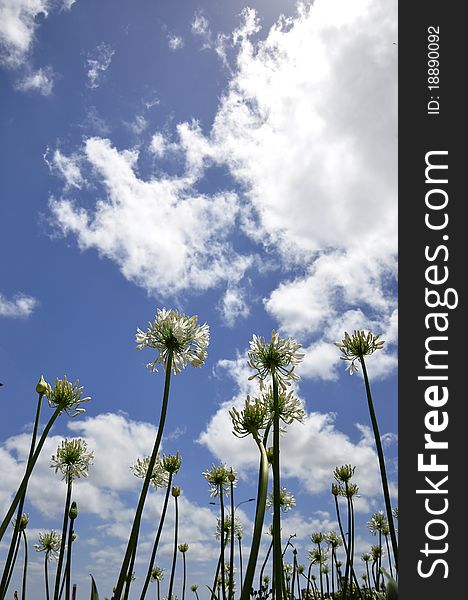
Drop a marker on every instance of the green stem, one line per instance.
(277, 558)
(25, 567)
(31, 464)
(46, 574)
(223, 571)
(383, 471)
(156, 541)
(130, 574)
(239, 539)
(58, 574)
(343, 585)
(389, 558)
(259, 518)
(10, 573)
(293, 583)
(184, 583)
(320, 569)
(267, 556)
(68, 563)
(231, 555)
(133, 539)
(174, 556)
(19, 513)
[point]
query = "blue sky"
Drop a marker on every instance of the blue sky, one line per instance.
(233, 160)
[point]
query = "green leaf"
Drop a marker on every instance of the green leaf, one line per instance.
(94, 592)
(391, 587)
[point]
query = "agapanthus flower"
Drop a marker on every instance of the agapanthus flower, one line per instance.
(317, 538)
(159, 477)
(194, 587)
(278, 357)
(349, 491)
(72, 459)
(157, 574)
(227, 527)
(171, 462)
(24, 520)
(317, 556)
(395, 512)
(378, 523)
(252, 419)
(333, 539)
(286, 500)
(365, 557)
(358, 345)
(49, 542)
(183, 548)
(67, 397)
(376, 552)
(289, 405)
(218, 479)
(172, 331)
(344, 473)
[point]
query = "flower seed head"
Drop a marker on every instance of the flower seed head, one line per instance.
(172, 462)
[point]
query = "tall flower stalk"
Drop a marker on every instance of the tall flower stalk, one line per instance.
(175, 494)
(20, 527)
(275, 360)
(170, 464)
(157, 575)
(178, 341)
(183, 549)
(72, 460)
(63, 397)
(25, 565)
(49, 543)
(354, 348)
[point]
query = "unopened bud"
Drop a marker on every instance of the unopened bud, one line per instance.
(42, 386)
(73, 511)
(175, 491)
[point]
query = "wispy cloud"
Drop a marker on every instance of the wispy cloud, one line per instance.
(41, 81)
(175, 42)
(21, 305)
(98, 63)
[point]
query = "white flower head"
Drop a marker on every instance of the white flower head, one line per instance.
(377, 523)
(278, 357)
(72, 459)
(159, 477)
(287, 500)
(49, 542)
(173, 332)
(66, 396)
(354, 347)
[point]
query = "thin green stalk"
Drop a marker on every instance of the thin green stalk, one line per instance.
(184, 581)
(320, 569)
(15, 554)
(231, 554)
(133, 539)
(259, 518)
(277, 554)
(68, 563)
(267, 556)
(294, 575)
(156, 541)
(58, 574)
(239, 539)
(348, 579)
(368, 574)
(22, 500)
(388, 553)
(174, 556)
(25, 567)
(383, 471)
(130, 574)
(223, 571)
(46, 574)
(30, 466)
(333, 570)
(308, 582)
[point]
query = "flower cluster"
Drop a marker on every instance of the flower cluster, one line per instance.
(72, 459)
(175, 333)
(238, 529)
(49, 542)
(159, 477)
(286, 500)
(252, 419)
(219, 479)
(290, 407)
(66, 396)
(377, 523)
(276, 358)
(355, 347)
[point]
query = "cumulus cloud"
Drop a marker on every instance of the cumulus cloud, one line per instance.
(162, 234)
(175, 42)
(98, 63)
(21, 305)
(233, 306)
(18, 23)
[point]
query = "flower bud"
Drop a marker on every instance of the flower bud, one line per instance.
(73, 511)
(175, 491)
(231, 476)
(42, 386)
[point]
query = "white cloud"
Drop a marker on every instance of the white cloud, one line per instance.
(41, 81)
(98, 63)
(175, 42)
(68, 167)
(158, 145)
(233, 306)
(21, 305)
(162, 235)
(18, 23)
